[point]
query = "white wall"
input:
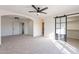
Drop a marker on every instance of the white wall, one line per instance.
(26, 27)
(6, 26)
(73, 27)
(50, 28)
(10, 26)
(15, 28)
(20, 28)
(37, 28)
(25, 21)
(37, 31)
(30, 27)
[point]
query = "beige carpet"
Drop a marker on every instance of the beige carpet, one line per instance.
(73, 42)
(28, 45)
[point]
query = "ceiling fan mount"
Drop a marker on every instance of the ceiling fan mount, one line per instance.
(38, 9)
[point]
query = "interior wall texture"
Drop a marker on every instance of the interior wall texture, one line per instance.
(37, 31)
(73, 27)
(11, 26)
(37, 28)
(0, 30)
(49, 28)
(30, 28)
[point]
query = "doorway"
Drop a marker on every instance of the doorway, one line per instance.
(42, 28)
(61, 28)
(21, 28)
(73, 30)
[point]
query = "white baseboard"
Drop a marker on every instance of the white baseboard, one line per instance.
(16, 35)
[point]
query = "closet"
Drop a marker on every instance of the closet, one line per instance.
(73, 30)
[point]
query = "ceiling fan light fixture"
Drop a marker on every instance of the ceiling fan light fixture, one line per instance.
(16, 17)
(38, 13)
(39, 10)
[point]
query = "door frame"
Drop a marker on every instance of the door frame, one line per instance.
(43, 28)
(22, 28)
(60, 27)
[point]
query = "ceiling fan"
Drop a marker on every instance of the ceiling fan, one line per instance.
(38, 10)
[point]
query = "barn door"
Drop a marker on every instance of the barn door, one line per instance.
(61, 28)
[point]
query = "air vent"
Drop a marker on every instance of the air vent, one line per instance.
(16, 17)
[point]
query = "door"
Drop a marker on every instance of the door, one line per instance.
(22, 28)
(43, 28)
(61, 28)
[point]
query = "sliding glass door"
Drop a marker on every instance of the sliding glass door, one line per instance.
(61, 28)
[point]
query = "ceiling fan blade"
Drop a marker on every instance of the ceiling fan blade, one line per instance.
(32, 11)
(44, 9)
(34, 7)
(43, 12)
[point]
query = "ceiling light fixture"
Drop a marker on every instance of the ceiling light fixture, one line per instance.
(38, 13)
(38, 10)
(16, 17)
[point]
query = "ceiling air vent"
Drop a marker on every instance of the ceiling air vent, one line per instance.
(16, 17)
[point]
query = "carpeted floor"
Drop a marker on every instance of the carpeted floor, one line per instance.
(28, 45)
(73, 42)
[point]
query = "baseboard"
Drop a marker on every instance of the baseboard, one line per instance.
(28, 34)
(72, 38)
(9, 35)
(37, 36)
(17, 35)
(0, 41)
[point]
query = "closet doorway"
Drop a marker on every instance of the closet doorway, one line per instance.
(73, 30)
(22, 28)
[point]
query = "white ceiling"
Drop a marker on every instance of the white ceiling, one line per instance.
(13, 16)
(53, 10)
